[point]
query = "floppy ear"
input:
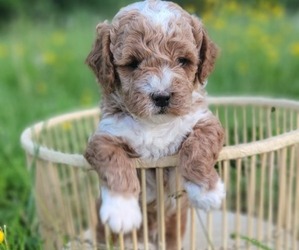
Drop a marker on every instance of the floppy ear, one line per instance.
(208, 51)
(100, 59)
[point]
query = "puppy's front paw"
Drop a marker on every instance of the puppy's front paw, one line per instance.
(203, 199)
(122, 214)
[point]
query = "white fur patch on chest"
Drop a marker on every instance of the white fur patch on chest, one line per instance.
(149, 140)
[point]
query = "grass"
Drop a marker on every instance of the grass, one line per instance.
(42, 73)
(260, 51)
(253, 242)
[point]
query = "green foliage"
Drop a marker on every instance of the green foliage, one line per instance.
(42, 72)
(259, 50)
(44, 9)
(8, 8)
(41, 9)
(251, 241)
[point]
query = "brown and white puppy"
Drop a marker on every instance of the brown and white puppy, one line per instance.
(152, 62)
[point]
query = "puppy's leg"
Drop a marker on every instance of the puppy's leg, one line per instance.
(114, 161)
(100, 228)
(114, 238)
(197, 157)
(171, 227)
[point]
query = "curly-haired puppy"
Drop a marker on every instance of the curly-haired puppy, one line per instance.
(152, 62)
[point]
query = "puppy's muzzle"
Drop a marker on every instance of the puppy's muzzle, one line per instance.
(161, 100)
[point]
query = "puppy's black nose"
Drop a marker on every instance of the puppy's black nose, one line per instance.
(161, 100)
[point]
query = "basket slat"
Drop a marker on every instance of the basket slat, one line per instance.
(259, 165)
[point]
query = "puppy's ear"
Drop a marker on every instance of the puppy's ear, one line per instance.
(100, 59)
(208, 51)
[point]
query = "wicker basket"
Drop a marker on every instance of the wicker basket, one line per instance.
(259, 164)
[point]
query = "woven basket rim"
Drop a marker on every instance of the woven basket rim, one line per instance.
(227, 153)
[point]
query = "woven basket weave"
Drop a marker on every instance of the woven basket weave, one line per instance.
(259, 165)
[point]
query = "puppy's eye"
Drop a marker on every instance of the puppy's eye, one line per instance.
(182, 61)
(134, 64)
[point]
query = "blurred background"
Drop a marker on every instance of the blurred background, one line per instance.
(43, 45)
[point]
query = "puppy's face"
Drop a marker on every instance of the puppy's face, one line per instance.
(154, 55)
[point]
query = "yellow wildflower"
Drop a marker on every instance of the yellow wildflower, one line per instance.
(272, 54)
(49, 58)
(207, 17)
(66, 126)
(278, 11)
(219, 24)
(261, 17)
(233, 6)
(294, 49)
(2, 236)
(3, 51)
(86, 99)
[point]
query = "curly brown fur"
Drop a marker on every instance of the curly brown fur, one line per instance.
(153, 48)
(114, 162)
(199, 153)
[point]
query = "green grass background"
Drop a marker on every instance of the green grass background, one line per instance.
(42, 73)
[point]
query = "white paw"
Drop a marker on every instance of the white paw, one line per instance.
(203, 199)
(121, 214)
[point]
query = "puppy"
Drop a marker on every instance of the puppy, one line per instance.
(152, 63)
